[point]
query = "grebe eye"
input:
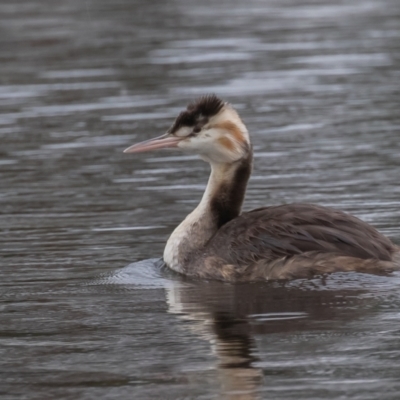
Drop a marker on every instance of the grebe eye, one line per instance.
(196, 129)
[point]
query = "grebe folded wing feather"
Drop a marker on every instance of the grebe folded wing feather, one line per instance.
(288, 230)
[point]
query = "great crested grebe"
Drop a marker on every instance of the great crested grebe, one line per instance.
(290, 241)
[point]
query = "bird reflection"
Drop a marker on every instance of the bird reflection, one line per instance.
(231, 316)
(235, 348)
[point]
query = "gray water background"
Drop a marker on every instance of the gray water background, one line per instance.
(87, 312)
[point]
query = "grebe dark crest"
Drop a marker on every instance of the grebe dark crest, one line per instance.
(217, 241)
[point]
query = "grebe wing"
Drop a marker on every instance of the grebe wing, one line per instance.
(274, 232)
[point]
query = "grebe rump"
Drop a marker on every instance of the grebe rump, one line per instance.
(291, 241)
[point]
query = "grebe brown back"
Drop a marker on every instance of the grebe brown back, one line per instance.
(291, 241)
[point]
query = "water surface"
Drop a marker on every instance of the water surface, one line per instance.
(88, 311)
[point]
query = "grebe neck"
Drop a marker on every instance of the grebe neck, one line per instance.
(222, 201)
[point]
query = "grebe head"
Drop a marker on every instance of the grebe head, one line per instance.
(208, 127)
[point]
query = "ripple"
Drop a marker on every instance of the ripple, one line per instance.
(277, 316)
(146, 274)
(78, 73)
(128, 228)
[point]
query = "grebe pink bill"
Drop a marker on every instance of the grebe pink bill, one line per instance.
(217, 241)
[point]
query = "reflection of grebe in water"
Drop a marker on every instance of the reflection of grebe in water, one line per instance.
(216, 320)
(289, 241)
(258, 331)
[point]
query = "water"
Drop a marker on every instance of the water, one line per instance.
(87, 311)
